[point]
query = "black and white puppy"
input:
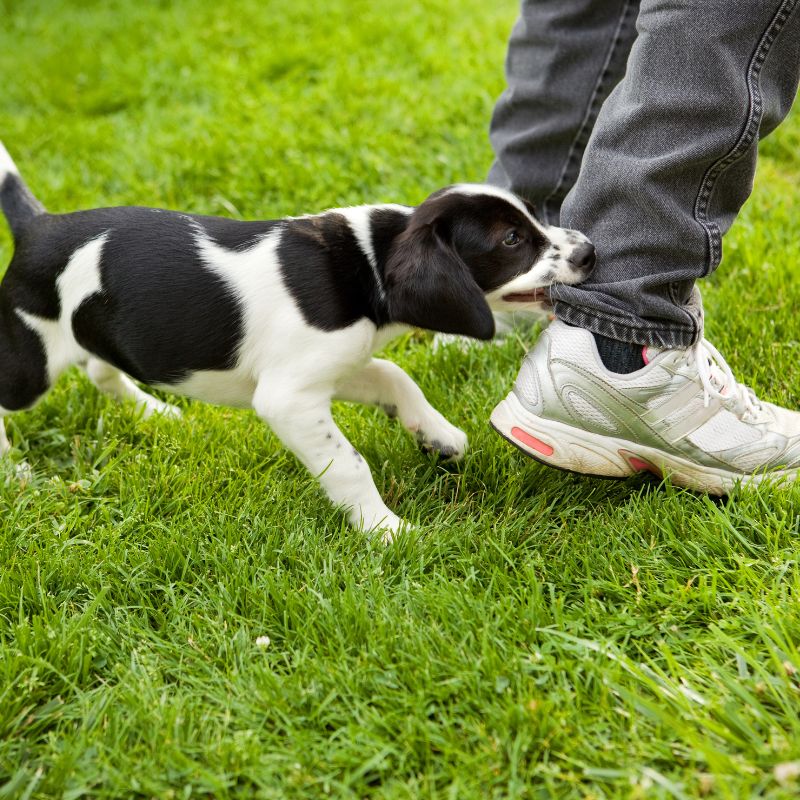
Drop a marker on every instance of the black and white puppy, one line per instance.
(282, 316)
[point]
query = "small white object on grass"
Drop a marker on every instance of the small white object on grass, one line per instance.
(24, 473)
(787, 772)
(263, 641)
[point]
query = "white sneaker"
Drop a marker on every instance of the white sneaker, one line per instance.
(682, 414)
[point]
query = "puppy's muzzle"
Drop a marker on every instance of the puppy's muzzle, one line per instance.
(583, 258)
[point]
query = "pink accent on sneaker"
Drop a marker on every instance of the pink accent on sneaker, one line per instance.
(644, 356)
(532, 442)
(639, 464)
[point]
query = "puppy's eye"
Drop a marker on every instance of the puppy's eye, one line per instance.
(512, 239)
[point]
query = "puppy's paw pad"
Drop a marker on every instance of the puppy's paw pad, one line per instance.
(446, 451)
(449, 443)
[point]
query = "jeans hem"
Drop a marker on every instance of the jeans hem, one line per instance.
(635, 331)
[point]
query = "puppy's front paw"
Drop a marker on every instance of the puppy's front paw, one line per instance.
(389, 532)
(153, 406)
(439, 436)
(380, 521)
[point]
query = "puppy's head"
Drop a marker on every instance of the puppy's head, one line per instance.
(469, 249)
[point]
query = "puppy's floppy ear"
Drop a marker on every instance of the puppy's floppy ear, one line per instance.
(429, 286)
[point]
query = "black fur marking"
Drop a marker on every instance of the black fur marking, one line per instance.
(328, 274)
(443, 451)
(23, 361)
(430, 287)
(386, 225)
(23, 367)
(477, 231)
(390, 409)
(18, 204)
(41, 252)
(161, 314)
(240, 236)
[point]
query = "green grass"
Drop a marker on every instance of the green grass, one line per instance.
(541, 635)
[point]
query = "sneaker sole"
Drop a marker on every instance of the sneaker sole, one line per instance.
(574, 450)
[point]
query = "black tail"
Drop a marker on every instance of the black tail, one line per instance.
(18, 203)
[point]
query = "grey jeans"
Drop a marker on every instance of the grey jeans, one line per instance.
(637, 122)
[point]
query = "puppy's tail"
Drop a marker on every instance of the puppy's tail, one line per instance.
(16, 200)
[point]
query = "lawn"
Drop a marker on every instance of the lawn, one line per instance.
(540, 635)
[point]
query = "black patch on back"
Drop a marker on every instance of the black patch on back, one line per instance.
(161, 314)
(234, 234)
(328, 274)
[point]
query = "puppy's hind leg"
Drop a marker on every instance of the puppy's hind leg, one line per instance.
(110, 380)
(24, 374)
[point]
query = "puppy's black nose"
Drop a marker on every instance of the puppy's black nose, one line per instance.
(583, 257)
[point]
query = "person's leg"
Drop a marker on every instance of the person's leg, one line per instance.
(672, 158)
(564, 57)
(669, 164)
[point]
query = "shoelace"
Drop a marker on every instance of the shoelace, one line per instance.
(712, 368)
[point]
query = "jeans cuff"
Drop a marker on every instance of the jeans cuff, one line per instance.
(633, 329)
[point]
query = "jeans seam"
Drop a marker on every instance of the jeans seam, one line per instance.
(592, 107)
(746, 138)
